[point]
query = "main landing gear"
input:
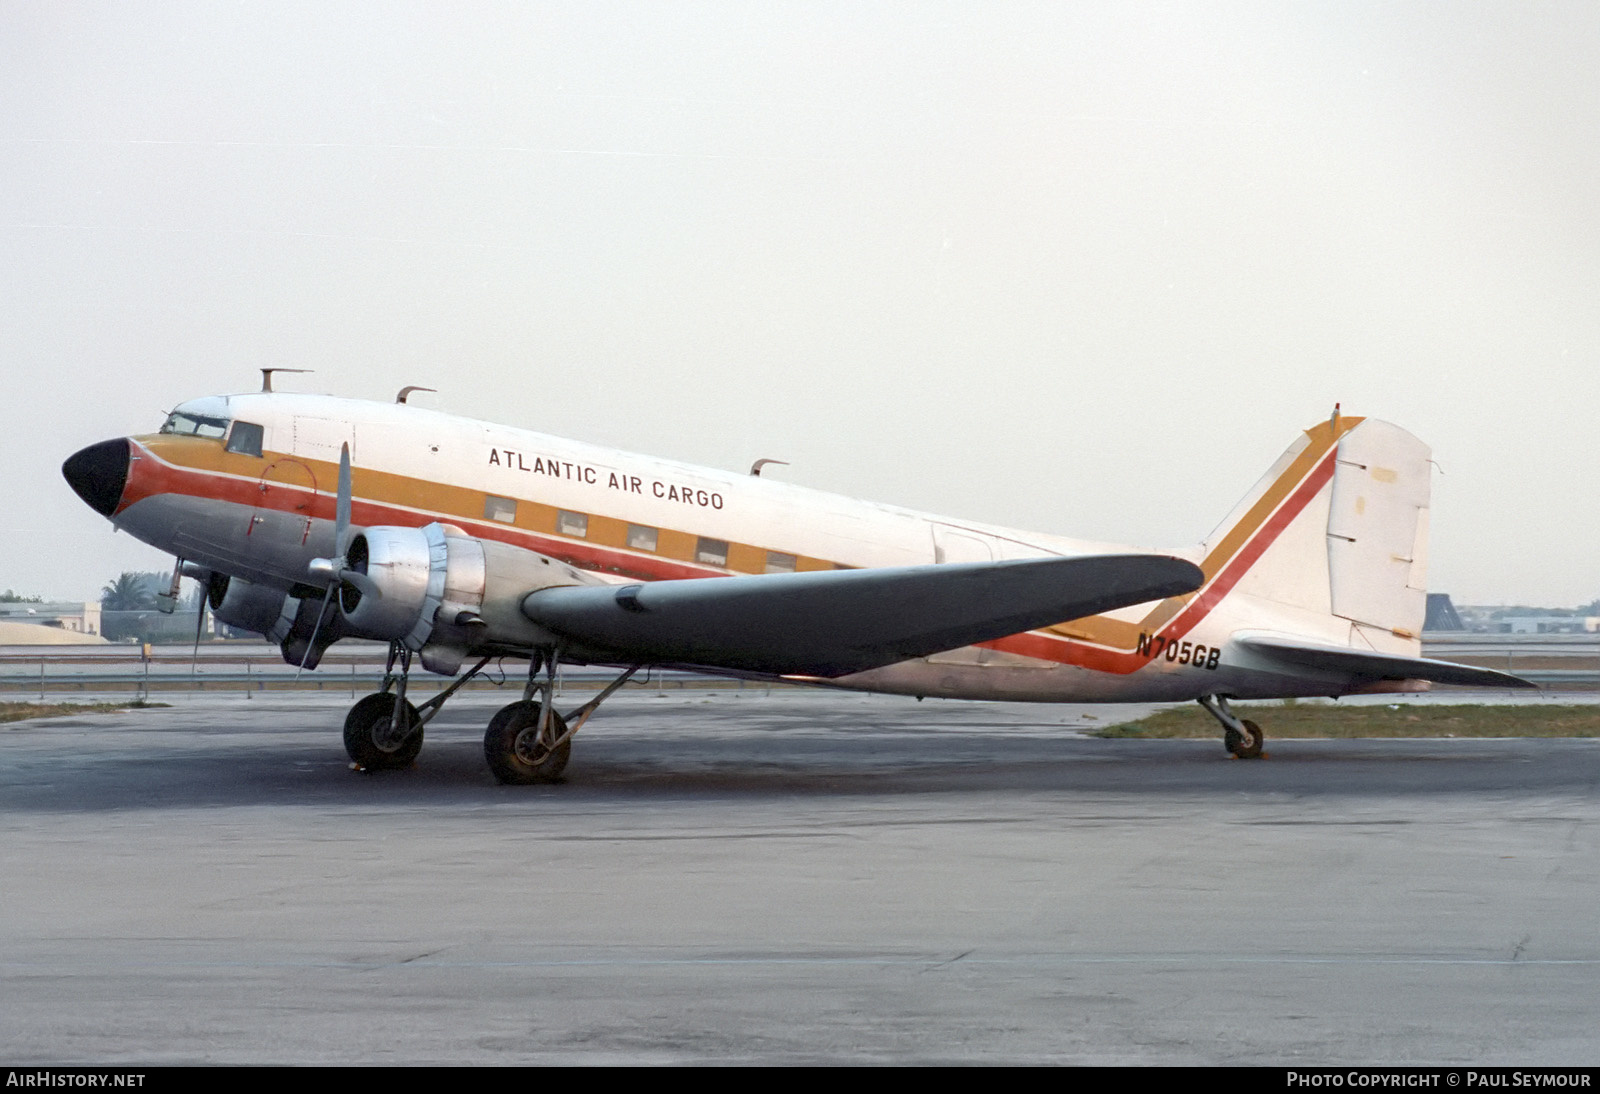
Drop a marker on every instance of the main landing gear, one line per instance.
(383, 732)
(1240, 736)
(527, 742)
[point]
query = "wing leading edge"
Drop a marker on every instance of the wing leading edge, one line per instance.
(835, 622)
(1380, 666)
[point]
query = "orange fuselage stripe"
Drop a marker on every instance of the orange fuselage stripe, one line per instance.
(153, 476)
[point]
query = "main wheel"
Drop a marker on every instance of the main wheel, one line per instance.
(366, 736)
(1247, 745)
(512, 746)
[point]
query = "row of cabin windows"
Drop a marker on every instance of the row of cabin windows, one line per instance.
(641, 537)
(246, 437)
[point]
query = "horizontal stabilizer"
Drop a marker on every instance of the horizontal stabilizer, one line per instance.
(834, 622)
(1379, 666)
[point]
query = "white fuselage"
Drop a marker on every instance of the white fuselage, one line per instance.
(264, 510)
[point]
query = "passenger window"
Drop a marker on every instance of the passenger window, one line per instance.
(572, 524)
(712, 552)
(641, 538)
(501, 509)
(780, 563)
(245, 439)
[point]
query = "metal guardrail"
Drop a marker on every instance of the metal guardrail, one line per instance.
(1567, 661)
(253, 667)
(1549, 660)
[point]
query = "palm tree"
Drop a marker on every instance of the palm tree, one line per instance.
(129, 593)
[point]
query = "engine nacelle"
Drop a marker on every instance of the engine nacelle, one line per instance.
(251, 607)
(400, 562)
(445, 593)
(276, 615)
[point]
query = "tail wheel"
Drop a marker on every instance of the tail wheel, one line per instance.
(376, 745)
(514, 751)
(1246, 745)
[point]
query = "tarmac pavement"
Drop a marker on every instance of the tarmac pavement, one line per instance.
(797, 877)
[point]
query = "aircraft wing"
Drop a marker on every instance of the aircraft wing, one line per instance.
(1380, 666)
(835, 622)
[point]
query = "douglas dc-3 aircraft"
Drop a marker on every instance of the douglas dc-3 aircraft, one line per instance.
(312, 518)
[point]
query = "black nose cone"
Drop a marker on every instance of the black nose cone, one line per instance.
(99, 473)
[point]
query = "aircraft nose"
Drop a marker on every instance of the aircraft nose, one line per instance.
(99, 473)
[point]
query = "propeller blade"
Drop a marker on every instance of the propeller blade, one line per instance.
(333, 570)
(199, 626)
(361, 583)
(315, 627)
(341, 520)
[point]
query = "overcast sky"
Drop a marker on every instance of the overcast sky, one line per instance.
(1084, 268)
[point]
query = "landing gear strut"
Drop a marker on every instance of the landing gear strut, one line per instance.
(1240, 736)
(529, 741)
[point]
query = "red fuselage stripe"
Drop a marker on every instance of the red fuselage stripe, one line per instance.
(1066, 651)
(151, 476)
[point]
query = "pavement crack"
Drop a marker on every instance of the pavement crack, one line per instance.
(953, 960)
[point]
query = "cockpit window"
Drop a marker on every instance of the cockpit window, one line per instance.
(245, 438)
(195, 425)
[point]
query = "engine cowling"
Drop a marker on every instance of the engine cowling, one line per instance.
(276, 615)
(445, 593)
(251, 607)
(400, 562)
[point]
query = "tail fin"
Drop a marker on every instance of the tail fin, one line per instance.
(1335, 537)
(1323, 567)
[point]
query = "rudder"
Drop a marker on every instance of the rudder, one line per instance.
(1378, 532)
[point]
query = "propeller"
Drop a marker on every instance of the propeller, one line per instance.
(336, 572)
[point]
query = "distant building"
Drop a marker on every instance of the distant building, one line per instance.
(81, 617)
(1545, 624)
(43, 634)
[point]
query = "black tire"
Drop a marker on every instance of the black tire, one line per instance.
(512, 752)
(1242, 746)
(365, 752)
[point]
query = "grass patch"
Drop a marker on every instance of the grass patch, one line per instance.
(1397, 720)
(17, 712)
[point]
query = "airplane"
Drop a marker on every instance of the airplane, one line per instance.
(311, 518)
